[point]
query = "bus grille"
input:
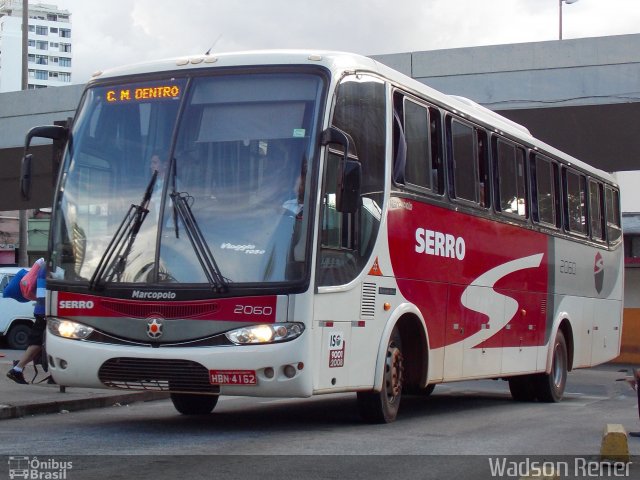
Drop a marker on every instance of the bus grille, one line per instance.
(166, 310)
(157, 375)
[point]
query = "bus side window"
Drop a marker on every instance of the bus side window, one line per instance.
(596, 212)
(468, 163)
(612, 201)
(545, 190)
(510, 169)
(416, 125)
(418, 160)
(464, 167)
(575, 202)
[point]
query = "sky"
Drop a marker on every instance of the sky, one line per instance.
(112, 33)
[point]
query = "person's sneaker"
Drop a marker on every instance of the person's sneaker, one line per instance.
(17, 376)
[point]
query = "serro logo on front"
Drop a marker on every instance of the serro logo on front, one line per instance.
(76, 304)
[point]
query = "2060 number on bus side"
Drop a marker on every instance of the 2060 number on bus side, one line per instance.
(253, 310)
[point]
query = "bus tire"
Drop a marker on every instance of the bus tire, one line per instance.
(193, 404)
(419, 391)
(522, 388)
(382, 407)
(550, 387)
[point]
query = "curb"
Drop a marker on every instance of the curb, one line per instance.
(17, 411)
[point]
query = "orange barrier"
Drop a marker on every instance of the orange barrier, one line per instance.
(630, 346)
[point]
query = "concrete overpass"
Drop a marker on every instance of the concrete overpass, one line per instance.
(582, 96)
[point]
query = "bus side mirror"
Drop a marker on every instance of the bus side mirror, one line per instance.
(349, 172)
(57, 133)
(54, 132)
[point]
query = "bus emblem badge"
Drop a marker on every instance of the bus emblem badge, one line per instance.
(598, 271)
(154, 329)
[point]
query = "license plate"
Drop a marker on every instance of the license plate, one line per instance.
(233, 377)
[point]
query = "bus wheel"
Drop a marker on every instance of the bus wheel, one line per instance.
(522, 388)
(550, 387)
(192, 404)
(382, 407)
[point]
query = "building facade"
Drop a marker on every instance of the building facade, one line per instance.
(49, 49)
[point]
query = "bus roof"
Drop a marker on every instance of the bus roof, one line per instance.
(339, 62)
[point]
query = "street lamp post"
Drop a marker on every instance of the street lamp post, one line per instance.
(23, 222)
(560, 2)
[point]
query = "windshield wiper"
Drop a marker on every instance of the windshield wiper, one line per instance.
(114, 259)
(183, 210)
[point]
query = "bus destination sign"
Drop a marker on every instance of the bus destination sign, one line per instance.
(138, 94)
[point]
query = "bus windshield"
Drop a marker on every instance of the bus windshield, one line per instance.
(179, 180)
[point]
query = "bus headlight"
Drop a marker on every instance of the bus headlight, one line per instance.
(68, 329)
(272, 333)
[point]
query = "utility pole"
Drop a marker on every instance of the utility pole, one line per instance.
(23, 259)
(560, 2)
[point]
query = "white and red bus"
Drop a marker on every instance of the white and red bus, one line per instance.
(287, 224)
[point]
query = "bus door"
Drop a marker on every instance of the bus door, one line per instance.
(606, 331)
(584, 336)
(348, 236)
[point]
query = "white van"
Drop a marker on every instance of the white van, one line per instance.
(15, 318)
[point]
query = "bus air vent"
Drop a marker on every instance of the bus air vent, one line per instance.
(156, 374)
(368, 306)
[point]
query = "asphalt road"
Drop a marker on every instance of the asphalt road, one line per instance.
(451, 434)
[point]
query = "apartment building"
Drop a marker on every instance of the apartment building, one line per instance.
(49, 49)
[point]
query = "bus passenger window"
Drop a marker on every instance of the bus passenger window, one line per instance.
(465, 172)
(546, 191)
(595, 210)
(612, 199)
(418, 157)
(511, 179)
(416, 124)
(575, 202)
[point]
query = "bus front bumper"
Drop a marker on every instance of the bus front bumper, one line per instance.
(272, 370)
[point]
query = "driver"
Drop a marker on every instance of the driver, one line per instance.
(295, 204)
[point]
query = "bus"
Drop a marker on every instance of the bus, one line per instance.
(288, 223)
